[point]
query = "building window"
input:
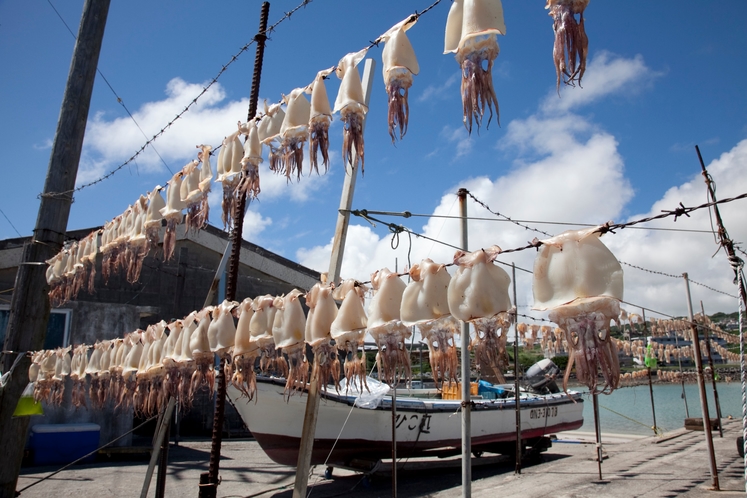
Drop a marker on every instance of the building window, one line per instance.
(58, 327)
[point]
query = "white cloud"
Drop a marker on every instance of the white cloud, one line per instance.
(606, 74)
(436, 92)
(254, 224)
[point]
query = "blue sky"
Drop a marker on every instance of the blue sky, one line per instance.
(662, 77)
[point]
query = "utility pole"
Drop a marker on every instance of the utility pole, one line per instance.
(29, 307)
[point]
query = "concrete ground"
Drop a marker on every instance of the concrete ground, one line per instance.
(676, 464)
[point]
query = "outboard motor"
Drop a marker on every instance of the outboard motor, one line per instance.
(540, 378)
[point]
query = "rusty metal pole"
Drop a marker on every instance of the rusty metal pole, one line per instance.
(701, 388)
(713, 372)
(209, 484)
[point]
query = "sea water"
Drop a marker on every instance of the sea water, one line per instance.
(628, 409)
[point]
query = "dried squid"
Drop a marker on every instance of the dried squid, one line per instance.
(249, 182)
(320, 118)
(581, 282)
(350, 103)
(286, 153)
(425, 304)
(400, 64)
(349, 329)
(228, 173)
(137, 242)
(153, 217)
(322, 312)
(260, 326)
(78, 375)
(288, 332)
(571, 43)
(386, 328)
(471, 32)
(245, 352)
(478, 294)
(172, 213)
(193, 197)
(204, 359)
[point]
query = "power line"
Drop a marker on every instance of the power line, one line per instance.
(119, 99)
(11, 223)
(181, 113)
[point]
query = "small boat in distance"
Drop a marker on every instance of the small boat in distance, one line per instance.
(358, 426)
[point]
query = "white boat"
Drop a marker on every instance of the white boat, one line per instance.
(426, 425)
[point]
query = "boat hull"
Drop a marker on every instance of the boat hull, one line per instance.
(346, 432)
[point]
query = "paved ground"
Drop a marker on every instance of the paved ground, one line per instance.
(669, 466)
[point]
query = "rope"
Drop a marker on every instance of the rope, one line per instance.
(657, 430)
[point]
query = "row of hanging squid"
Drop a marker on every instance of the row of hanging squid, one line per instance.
(576, 278)
(471, 33)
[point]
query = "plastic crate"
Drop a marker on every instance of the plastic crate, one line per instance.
(453, 390)
(63, 443)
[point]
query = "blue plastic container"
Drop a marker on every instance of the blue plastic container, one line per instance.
(63, 443)
(489, 391)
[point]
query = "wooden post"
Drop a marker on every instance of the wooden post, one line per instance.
(335, 264)
(29, 308)
(701, 389)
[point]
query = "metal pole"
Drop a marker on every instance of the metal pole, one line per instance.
(29, 307)
(701, 388)
(713, 372)
(466, 377)
(210, 489)
(335, 264)
(682, 377)
(597, 430)
(519, 445)
(650, 384)
(394, 441)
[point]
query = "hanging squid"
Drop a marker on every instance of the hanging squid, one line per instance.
(172, 213)
(320, 117)
(386, 328)
(260, 326)
(193, 197)
(350, 103)
(228, 173)
(349, 329)
(204, 360)
(571, 45)
(245, 353)
(425, 304)
(184, 359)
(249, 183)
(153, 217)
(471, 32)
(322, 312)
(478, 294)
(286, 154)
(78, 375)
(137, 243)
(288, 332)
(581, 282)
(400, 64)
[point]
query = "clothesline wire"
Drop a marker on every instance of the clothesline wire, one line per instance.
(610, 227)
(408, 214)
(204, 90)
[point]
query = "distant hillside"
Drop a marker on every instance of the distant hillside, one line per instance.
(722, 317)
